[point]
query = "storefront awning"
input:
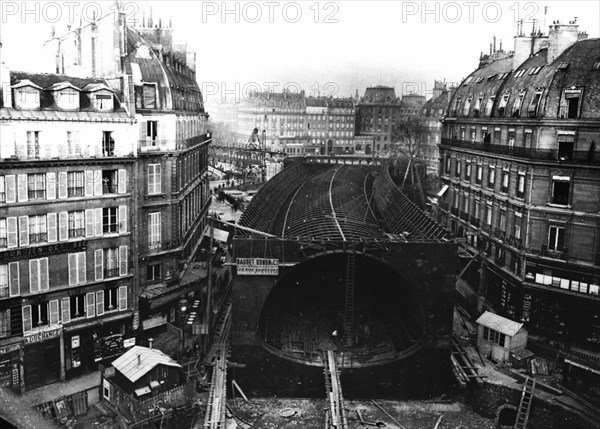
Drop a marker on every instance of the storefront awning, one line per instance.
(443, 191)
(218, 234)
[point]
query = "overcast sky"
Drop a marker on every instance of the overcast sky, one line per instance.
(331, 47)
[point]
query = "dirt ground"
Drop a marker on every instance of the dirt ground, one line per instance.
(309, 414)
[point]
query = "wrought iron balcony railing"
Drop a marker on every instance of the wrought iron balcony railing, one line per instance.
(581, 156)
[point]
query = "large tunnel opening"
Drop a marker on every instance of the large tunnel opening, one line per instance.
(374, 321)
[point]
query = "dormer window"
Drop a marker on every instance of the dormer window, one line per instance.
(467, 106)
(66, 95)
(534, 105)
(27, 95)
(516, 110)
(101, 96)
(569, 106)
(502, 105)
(490, 104)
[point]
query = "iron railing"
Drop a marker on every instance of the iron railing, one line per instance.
(580, 156)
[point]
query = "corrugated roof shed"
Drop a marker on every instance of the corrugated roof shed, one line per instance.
(498, 323)
(139, 360)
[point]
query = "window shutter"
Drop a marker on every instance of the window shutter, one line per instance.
(62, 185)
(13, 278)
(52, 231)
(123, 260)
(11, 191)
(98, 182)
(24, 230)
(51, 186)
(65, 306)
(26, 318)
(90, 308)
(89, 223)
(99, 264)
(122, 219)
(81, 268)
(100, 303)
(12, 233)
(22, 187)
(122, 298)
(34, 276)
(72, 269)
(98, 222)
(53, 312)
(63, 226)
(44, 282)
(89, 183)
(122, 182)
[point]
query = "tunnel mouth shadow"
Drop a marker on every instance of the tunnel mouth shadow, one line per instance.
(305, 314)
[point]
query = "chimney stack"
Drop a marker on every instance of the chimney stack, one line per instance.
(139, 360)
(150, 341)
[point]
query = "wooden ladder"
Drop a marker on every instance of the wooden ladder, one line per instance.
(525, 405)
(349, 308)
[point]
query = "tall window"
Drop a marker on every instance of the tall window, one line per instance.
(152, 133)
(77, 268)
(520, 185)
(532, 112)
(505, 181)
(77, 224)
(561, 186)
(73, 144)
(108, 144)
(468, 170)
(491, 176)
(75, 184)
(37, 229)
(109, 181)
(111, 262)
(4, 291)
(4, 323)
(556, 238)
(3, 234)
(154, 231)
(110, 223)
(33, 144)
(149, 96)
(36, 186)
(479, 174)
(566, 144)
(2, 190)
(154, 272)
(154, 179)
(517, 225)
(569, 108)
(488, 214)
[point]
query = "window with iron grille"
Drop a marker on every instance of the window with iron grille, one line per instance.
(36, 186)
(37, 229)
(109, 181)
(75, 184)
(2, 190)
(111, 262)
(77, 224)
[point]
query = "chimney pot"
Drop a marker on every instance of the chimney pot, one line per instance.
(139, 360)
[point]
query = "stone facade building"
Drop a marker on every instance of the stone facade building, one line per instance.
(521, 169)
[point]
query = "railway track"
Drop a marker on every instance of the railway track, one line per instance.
(336, 415)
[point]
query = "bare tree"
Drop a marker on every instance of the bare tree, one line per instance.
(408, 136)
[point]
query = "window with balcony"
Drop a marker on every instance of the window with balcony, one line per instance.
(511, 137)
(36, 186)
(4, 288)
(110, 183)
(505, 181)
(108, 144)
(473, 134)
(502, 221)
(154, 179)
(491, 177)
(2, 189)
(566, 144)
(561, 186)
(33, 145)
(556, 238)
(497, 136)
(154, 231)
(476, 209)
(154, 272)
(76, 306)
(111, 262)
(37, 229)
(527, 138)
(75, 184)
(76, 224)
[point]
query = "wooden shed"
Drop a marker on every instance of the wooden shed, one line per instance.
(144, 373)
(498, 337)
